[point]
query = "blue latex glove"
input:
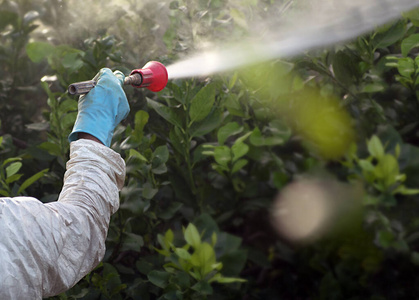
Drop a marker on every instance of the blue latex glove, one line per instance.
(102, 108)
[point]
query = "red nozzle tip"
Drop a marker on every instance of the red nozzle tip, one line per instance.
(154, 75)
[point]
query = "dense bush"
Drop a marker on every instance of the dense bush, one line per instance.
(206, 157)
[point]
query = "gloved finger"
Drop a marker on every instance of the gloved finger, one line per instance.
(99, 74)
(105, 77)
(120, 76)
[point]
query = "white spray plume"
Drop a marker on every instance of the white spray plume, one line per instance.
(327, 22)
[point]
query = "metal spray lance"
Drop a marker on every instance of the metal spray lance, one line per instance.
(152, 76)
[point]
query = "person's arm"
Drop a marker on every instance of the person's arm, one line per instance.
(47, 248)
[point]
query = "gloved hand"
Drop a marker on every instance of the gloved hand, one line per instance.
(102, 108)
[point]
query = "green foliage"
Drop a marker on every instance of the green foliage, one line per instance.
(407, 68)
(9, 176)
(196, 268)
(212, 154)
(380, 171)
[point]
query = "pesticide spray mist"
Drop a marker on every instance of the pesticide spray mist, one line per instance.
(306, 209)
(324, 23)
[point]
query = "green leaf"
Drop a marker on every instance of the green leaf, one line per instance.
(214, 238)
(170, 211)
(217, 266)
(222, 155)
(220, 279)
(72, 62)
(374, 87)
(160, 155)
(9, 160)
(370, 200)
(389, 36)
(406, 82)
(132, 241)
(67, 106)
(228, 130)
(176, 140)
(135, 153)
(233, 80)
(148, 191)
(243, 137)
(387, 169)
(164, 242)
(204, 258)
(161, 169)
(409, 43)
(13, 169)
(202, 103)
(13, 178)
(67, 120)
(163, 252)
(28, 182)
(212, 121)
(413, 16)
(401, 177)
(203, 287)
(366, 165)
(280, 130)
(228, 242)
(169, 236)
(182, 253)
(239, 165)
(37, 51)
(406, 66)
(397, 151)
(159, 278)
(167, 113)
(258, 140)
(192, 236)
(375, 147)
(51, 148)
(141, 119)
(233, 105)
(405, 191)
(344, 68)
(4, 193)
(239, 150)
(220, 169)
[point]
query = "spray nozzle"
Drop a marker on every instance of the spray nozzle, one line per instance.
(152, 76)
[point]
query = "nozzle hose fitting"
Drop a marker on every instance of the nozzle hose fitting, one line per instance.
(80, 88)
(83, 87)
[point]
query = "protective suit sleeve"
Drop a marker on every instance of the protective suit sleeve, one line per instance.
(47, 248)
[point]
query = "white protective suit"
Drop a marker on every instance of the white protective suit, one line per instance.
(47, 248)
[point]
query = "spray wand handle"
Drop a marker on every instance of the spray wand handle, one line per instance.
(152, 76)
(83, 87)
